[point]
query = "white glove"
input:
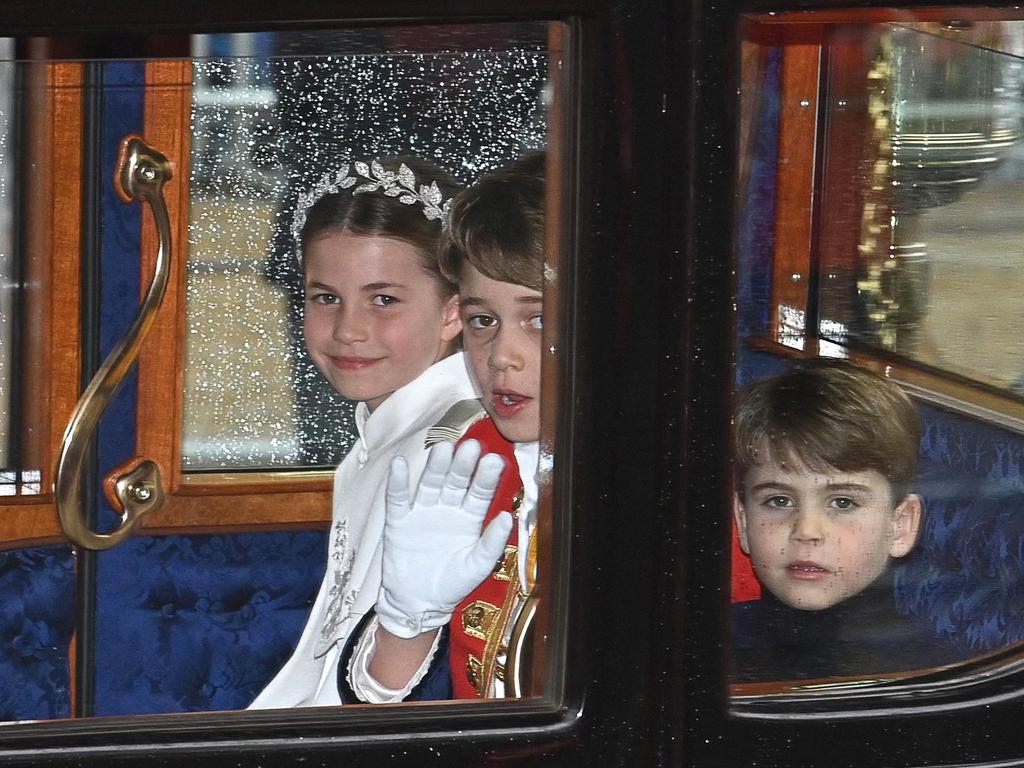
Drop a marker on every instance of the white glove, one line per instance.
(434, 552)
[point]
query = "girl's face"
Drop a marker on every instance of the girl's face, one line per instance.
(374, 319)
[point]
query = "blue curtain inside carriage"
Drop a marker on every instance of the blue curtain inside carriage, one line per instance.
(966, 575)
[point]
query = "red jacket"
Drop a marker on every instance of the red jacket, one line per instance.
(479, 622)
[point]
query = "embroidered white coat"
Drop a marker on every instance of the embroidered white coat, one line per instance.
(398, 427)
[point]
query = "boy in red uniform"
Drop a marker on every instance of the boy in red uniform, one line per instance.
(458, 561)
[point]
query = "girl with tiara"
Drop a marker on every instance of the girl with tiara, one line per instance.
(380, 322)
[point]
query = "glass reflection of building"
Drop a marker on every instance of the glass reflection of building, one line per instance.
(939, 195)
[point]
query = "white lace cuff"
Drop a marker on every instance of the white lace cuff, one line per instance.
(363, 683)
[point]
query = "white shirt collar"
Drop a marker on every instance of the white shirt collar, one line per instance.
(526, 457)
(447, 379)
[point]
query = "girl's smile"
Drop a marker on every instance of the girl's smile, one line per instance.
(353, 363)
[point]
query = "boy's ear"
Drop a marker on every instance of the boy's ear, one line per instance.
(739, 514)
(906, 524)
(451, 320)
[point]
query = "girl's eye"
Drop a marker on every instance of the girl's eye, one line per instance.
(843, 502)
(537, 322)
(323, 298)
(383, 300)
(481, 322)
(779, 502)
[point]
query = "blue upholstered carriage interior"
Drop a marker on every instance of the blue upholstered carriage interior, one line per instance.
(37, 600)
(967, 574)
(184, 623)
(194, 623)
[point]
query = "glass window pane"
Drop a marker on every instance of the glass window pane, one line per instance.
(878, 440)
(266, 125)
(21, 418)
(269, 115)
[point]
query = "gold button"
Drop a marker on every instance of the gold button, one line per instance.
(477, 618)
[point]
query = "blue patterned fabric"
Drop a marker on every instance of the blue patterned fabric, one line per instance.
(122, 95)
(967, 574)
(37, 599)
(194, 623)
(185, 623)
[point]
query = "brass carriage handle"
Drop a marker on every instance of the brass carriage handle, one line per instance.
(140, 175)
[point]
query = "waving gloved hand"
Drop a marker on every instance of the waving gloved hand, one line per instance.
(434, 551)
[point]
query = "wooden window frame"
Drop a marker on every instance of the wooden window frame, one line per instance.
(218, 501)
(53, 114)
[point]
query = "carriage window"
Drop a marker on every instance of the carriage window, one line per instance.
(300, 185)
(267, 123)
(877, 513)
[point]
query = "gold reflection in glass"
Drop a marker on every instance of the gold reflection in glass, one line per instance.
(942, 188)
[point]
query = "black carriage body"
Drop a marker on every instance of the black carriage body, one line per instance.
(643, 451)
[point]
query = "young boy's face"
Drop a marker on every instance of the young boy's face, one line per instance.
(374, 319)
(502, 327)
(816, 538)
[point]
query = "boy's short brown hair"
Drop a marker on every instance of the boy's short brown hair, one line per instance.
(497, 225)
(831, 413)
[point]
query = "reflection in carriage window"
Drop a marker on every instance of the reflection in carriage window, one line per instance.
(879, 222)
(15, 477)
(268, 120)
(937, 273)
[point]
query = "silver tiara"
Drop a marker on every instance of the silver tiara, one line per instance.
(377, 178)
